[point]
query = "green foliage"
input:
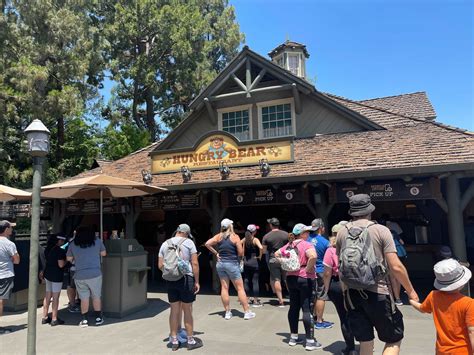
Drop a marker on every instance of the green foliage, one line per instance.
(120, 142)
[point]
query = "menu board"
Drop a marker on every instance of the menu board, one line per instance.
(264, 196)
(171, 201)
(82, 207)
(21, 210)
(390, 190)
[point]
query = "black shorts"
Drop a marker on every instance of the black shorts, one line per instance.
(6, 287)
(376, 312)
(69, 279)
(276, 272)
(321, 293)
(181, 290)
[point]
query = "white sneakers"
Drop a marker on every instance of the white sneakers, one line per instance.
(228, 315)
(248, 315)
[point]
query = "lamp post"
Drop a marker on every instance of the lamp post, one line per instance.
(37, 136)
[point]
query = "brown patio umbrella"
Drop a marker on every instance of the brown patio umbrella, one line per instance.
(9, 194)
(98, 187)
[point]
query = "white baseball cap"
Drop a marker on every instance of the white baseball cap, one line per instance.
(252, 228)
(226, 222)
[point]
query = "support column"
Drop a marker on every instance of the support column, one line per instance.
(131, 217)
(455, 220)
(59, 215)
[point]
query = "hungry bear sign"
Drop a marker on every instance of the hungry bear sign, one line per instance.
(221, 146)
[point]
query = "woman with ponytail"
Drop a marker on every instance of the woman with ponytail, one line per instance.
(227, 248)
(253, 251)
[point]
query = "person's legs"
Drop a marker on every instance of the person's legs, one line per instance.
(336, 296)
(225, 293)
(84, 294)
(275, 278)
(188, 318)
(319, 306)
(305, 287)
(175, 314)
(392, 348)
(54, 306)
(46, 302)
(1, 307)
(295, 306)
(255, 285)
(97, 304)
(366, 348)
(239, 286)
(247, 275)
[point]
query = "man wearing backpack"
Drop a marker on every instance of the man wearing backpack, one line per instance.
(178, 260)
(367, 254)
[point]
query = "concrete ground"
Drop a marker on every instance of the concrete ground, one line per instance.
(146, 332)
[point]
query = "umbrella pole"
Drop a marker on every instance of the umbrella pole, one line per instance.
(101, 214)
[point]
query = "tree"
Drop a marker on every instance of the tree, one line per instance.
(163, 52)
(118, 142)
(51, 68)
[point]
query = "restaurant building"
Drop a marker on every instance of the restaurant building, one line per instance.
(261, 141)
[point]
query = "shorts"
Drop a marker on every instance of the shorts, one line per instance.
(181, 290)
(89, 288)
(321, 293)
(376, 312)
(6, 287)
(276, 272)
(53, 287)
(228, 270)
(70, 279)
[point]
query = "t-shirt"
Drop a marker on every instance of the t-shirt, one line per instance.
(274, 240)
(7, 250)
(87, 260)
(382, 241)
(394, 226)
(52, 270)
(452, 314)
(187, 249)
(331, 260)
(321, 244)
(302, 247)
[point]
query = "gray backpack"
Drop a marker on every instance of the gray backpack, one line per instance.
(171, 259)
(358, 266)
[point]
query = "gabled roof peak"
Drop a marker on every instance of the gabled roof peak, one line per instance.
(288, 44)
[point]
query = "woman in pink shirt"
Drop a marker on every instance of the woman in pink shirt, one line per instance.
(332, 285)
(301, 285)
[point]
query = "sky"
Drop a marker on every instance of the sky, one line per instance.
(363, 49)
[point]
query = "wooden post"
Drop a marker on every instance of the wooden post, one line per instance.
(455, 220)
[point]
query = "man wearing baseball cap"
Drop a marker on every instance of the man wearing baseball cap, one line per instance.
(8, 257)
(272, 241)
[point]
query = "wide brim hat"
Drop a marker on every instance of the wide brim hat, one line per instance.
(450, 275)
(360, 205)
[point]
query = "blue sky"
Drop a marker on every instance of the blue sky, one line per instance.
(366, 49)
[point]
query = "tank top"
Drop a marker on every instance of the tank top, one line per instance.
(251, 253)
(227, 251)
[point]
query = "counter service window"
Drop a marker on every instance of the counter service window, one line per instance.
(277, 120)
(237, 123)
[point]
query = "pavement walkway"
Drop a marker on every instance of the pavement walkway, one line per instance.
(146, 332)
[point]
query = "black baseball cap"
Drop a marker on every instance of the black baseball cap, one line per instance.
(273, 221)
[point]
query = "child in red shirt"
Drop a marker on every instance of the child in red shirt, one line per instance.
(453, 313)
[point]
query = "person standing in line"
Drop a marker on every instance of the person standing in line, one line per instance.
(321, 244)
(333, 288)
(70, 270)
(182, 292)
(368, 298)
(53, 275)
(8, 256)
(453, 313)
(301, 285)
(86, 251)
(272, 241)
(227, 248)
(253, 252)
(402, 255)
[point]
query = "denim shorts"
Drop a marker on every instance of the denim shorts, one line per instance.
(228, 270)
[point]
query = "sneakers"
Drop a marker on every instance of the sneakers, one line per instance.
(257, 304)
(175, 345)
(5, 330)
(281, 305)
(295, 341)
(228, 315)
(249, 315)
(99, 320)
(56, 322)
(398, 302)
(323, 325)
(313, 345)
(84, 323)
(349, 352)
(197, 344)
(74, 309)
(46, 320)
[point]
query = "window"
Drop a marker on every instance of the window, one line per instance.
(280, 62)
(236, 123)
(276, 119)
(294, 64)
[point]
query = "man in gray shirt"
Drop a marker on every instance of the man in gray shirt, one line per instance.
(8, 257)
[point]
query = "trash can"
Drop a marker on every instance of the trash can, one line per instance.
(124, 273)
